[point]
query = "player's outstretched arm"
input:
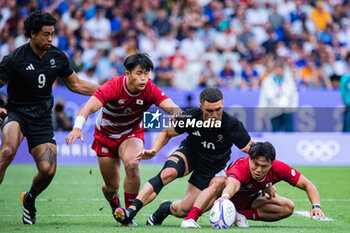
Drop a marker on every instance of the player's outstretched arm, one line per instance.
(232, 187)
(91, 106)
(170, 107)
(161, 140)
(74, 84)
(313, 195)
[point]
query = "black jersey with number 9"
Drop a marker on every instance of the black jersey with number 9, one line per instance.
(30, 79)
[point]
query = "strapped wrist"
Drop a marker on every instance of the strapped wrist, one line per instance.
(316, 206)
(79, 122)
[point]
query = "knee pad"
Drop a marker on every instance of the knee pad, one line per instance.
(179, 165)
(157, 182)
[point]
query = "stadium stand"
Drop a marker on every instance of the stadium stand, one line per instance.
(311, 37)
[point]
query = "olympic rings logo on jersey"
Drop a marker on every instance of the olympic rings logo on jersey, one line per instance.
(318, 149)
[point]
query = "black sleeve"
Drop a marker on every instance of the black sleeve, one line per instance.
(66, 70)
(240, 135)
(5, 69)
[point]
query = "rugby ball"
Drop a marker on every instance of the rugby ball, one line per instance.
(222, 214)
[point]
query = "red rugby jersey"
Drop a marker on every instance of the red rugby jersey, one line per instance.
(279, 171)
(122, 111)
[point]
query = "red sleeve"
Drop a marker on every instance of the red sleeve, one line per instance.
(107, 91)
(286, 173)
(239, 171)
(156, 94)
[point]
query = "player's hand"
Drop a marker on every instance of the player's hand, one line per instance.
(317, 213)
(177, 114)
(73, 135)
(146, 154)
(270, 191)
(3, 112)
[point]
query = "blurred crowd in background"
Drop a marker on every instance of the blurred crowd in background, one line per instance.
(224, 43)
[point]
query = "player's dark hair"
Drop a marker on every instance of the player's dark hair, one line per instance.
(138, 59)
(36, 20)
(210, 94)
(264, 149)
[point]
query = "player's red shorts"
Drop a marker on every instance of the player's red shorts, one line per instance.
(105, 146)
(243, 201)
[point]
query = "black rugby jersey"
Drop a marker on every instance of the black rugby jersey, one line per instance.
(213, 143)
(30, 79)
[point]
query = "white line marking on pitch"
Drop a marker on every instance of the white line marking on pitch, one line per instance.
(306, 213)
(324, 199)
(87, 199)
(66, 215)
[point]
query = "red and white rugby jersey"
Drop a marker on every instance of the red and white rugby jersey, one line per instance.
(279, 171)
(122, 111)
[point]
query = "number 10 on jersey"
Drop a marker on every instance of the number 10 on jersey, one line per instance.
(208, 145)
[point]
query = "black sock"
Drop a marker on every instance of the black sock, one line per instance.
(32, 194)
(163, 211)
(131, 212)
(138, 204)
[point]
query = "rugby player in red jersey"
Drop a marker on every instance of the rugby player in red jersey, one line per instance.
(246, 177)
(119, 134)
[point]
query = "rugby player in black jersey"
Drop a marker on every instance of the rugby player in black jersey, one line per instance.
(30, 72)
(204, 152)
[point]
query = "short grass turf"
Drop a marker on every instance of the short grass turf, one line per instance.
(74, 203)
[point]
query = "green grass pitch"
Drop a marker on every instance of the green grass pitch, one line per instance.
(74, 203)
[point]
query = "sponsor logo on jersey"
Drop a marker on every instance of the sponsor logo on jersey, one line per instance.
(268, 184)
(30, 67)
(121, 101)
(128, 110)
(249, 186)
(196, 133)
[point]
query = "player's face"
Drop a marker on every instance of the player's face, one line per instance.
(259, 167)
(212, 110)
(137, 79)
(43, 39)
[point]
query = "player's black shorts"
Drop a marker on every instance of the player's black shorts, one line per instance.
(203, 170)
(36, 131)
